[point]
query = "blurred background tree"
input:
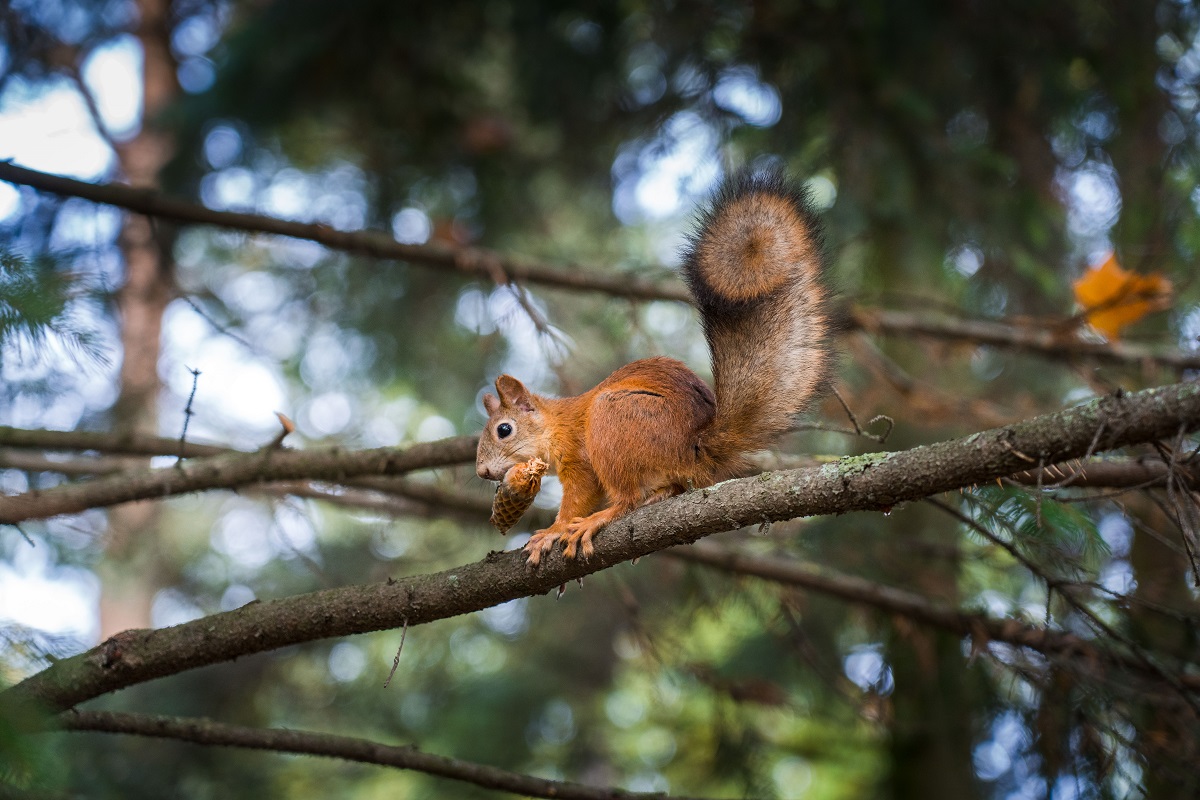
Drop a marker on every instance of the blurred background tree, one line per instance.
(969, 160)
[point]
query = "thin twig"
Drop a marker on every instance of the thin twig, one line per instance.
(396, 660)
(89, 101)
(1054, 583)
(1040, 472)
(24, 535)
(224, 330)
(1104, 496)
(187, 414)
(286, 426)
(1184, 512)
(881, 438)
(1090, 451)
(545, 330)
(1141, 527)
(280, 533)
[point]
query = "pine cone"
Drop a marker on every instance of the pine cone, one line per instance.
(515, 494)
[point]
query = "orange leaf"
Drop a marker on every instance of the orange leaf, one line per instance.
(1113, 298)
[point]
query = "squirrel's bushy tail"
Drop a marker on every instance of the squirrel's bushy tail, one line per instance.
(756, 268)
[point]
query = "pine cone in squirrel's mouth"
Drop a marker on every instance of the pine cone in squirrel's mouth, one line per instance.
(515, 494)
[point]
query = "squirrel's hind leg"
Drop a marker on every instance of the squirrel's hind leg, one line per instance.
(581, 529)
(663, 492)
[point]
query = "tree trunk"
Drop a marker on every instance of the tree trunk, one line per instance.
(129, 570)
(931, 731)
(1162, 578)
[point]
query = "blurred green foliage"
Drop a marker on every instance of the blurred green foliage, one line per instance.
(969, 159)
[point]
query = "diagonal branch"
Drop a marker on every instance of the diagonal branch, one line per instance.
(233, 470)
(871, 482)
(365, 751)
(490, 265)
(270, 470)
(89, 101)
(475, 262)
(1065, 591)
(979, 626)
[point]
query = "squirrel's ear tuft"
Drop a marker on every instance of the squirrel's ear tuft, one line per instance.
(490, 403)
(514, 393)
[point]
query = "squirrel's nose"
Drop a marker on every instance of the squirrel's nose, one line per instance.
(483, 472)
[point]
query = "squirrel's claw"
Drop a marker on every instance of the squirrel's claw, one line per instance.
(539, 544)
(581, 540)
(581, 530)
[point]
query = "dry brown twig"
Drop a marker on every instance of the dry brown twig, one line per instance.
(396, 660)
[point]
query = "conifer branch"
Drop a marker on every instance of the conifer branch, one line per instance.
(980, 627)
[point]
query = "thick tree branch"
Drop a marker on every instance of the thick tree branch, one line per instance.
(208, 732)
(290, 472)
(234, 470)
(980, 627)
(869, 482)
(490, 265)
(1090, 473)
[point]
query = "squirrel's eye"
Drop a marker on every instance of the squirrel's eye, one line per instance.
(504, 430)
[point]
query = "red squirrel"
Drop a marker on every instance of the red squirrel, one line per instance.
(652, 429)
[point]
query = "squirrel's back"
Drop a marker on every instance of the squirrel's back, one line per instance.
(756, 267)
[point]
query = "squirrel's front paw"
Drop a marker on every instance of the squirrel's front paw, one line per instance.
(539, 544)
